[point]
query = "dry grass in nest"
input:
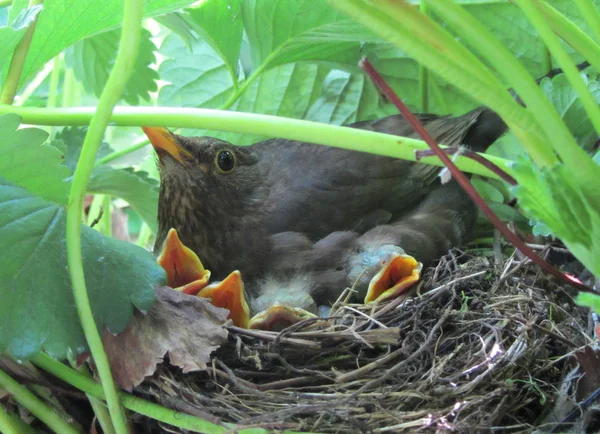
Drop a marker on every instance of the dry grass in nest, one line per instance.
(483, 349)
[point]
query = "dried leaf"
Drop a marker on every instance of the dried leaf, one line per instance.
(186, 327)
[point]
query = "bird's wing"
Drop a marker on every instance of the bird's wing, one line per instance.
(323, 189)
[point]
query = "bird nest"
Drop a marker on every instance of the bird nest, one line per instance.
(479, 347)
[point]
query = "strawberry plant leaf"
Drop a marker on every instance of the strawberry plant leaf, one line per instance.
(137, 188)
(285, 31)
(37, 310)
(219, 24)
(28, 162)
(70, 140)
(564, 205)
(198, 76)
(64, 22)
(93, 58)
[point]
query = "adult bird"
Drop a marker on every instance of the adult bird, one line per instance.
(226, 201)
(289, 205)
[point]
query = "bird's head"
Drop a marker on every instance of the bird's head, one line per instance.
(203, 166)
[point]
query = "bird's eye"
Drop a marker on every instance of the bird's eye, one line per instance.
(225, 161)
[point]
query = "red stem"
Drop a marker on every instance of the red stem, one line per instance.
(492, 167)
(464, 182)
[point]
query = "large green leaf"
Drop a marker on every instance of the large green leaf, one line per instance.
(28, 162)
(11, 34)
(569, 106)
(64, 22)
(37, 310)
(137, 188)
(303, 91)
(197, 75)
(92, 60)
(219, 23)
(285, 31)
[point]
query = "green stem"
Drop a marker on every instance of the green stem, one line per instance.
(32, 403)
(98, 406)
(475, 34)
(424, 74)
(115, 85)
(4, 3)
(133, 403)
(569, 151)
(239, 91)
(68, 88)
(396, 23)
(571, 34)
(144, 235)
(34, 84)
(11, 83)
(250, 123)
(54, 81)
(106, 216)
(590, 13)
(12, 424)
(117, 154)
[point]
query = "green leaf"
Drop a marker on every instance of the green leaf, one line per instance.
(92, 60)
(65, 22)
(37, 310)
(567, 206)
(219, 23)
(303, 91)
(198, 77)
(70, 141)
(28, 162)
(344, 98)
(285, 31)
(11, 35)
(570, 108)
(137, 188)
(487, 191)
(587, 299)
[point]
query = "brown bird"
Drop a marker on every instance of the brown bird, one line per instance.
(226, 201)
(305, 209)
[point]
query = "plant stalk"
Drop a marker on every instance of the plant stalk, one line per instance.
(122, 70)
(249, 123)
(11, 84)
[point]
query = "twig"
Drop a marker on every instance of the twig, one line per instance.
(422, 153)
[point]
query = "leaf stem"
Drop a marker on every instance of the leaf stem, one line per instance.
(250, 123)
(133, 403)
(477, 36)
(421, 38)
(424, 73)
(568, 150)
(115, 85)
(32, 403)
(571, 34)
(11, 84)
(590, 13)
(117, 154)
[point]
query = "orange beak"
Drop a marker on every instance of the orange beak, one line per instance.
(278, 317)
(164, 141)
(185, 271)
(229, 294)
(397, 275)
